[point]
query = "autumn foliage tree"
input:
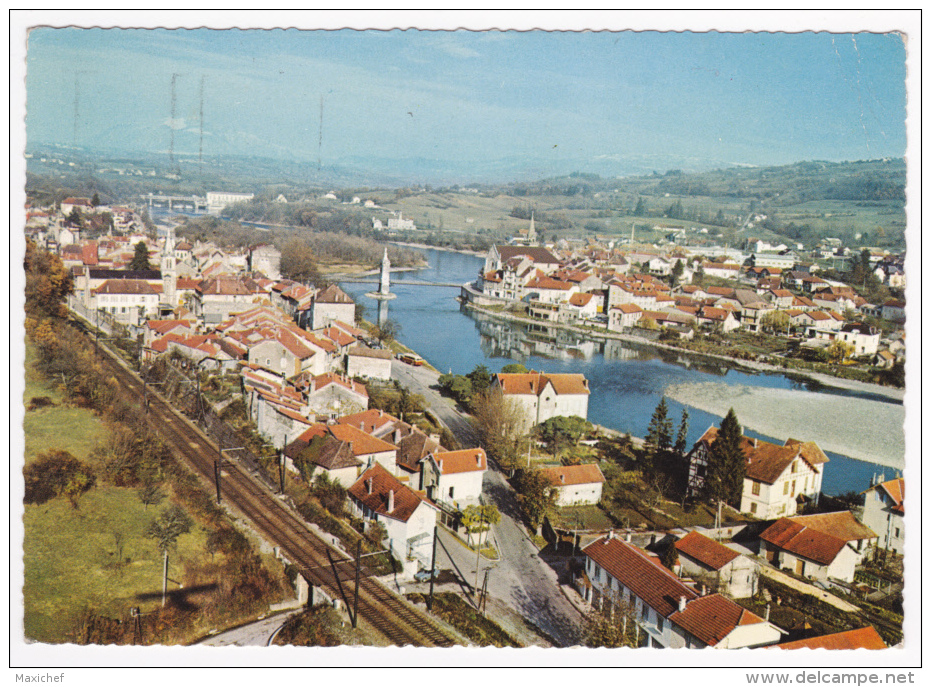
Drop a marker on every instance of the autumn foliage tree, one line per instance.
(57, 473)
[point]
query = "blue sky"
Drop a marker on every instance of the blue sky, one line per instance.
(752, 98)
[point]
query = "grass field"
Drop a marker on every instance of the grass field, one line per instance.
(72, 560)
(54, 426)
(97, 557)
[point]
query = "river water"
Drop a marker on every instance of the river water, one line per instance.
(626, 380)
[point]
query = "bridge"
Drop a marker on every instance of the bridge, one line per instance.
(195, 202)
(407, 282)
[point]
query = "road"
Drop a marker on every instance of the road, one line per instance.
(520, 579)
(258, 633)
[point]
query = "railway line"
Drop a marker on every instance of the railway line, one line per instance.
(398, 621)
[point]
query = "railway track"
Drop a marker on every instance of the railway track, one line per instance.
(394, 618)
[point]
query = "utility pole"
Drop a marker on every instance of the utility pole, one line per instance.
(485, 591)
(355, 604)
(432, 570)
(165, 580)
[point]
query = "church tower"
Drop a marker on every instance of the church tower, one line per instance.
(169, 271)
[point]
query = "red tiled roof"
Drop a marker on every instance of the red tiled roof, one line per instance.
(567, 475)
(896, 490)
(706, 551)
(370, 421)
(467, 460)
(816, 537)
(638, 572)
(580, 300)
(535, 382)
(333, 294)
(372, 490)
(363, 444)
(370, 352)
(766, 461)
(712, 618)
(864, 638)
(135, 287)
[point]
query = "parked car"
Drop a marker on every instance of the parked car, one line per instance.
(425, 575)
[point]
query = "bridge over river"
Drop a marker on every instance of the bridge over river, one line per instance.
(394, 282)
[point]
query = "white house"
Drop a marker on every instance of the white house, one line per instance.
(334, 395)
(822, 546)
(368, 363)
(543, 395)
(129, 301)
(217, 200)
(777, 477)
(576, 485)
(330, 305)
(454, 477)
(408, 517)
(217, 298)
(884, 513)
(668, 613)
(623, 316)
(863, 338)
(736, 575)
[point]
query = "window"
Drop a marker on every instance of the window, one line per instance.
(644, 612)
(897, 533)
(793, 487)
(451, 489)
(785, 488)
(756, 488)
(659, 622)
(753, 508)
(794, 466)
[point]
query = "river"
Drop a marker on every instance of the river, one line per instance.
(627, 381)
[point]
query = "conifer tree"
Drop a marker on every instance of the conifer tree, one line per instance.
(727, 464)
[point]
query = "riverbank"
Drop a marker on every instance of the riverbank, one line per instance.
(890, 393)
(869, 431)
(440, 248)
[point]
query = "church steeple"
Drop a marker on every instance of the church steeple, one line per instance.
(169, 271)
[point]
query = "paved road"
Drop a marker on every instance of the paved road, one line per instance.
(521, 579)
(258, 633)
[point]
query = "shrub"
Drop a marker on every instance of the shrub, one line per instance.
(57, 473)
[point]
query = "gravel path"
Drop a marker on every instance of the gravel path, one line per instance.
(867, 430)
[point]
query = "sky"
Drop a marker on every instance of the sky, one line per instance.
(470, 96)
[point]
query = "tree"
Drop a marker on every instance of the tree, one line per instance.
(514, 368)
(562, 427)
(480, 378)
(48, 283)
(140, 259)
(536, 496)
(330, 493)
(501, 425)
(670, 556)
(478, 520)
(658, 440)
(682, 436)
(74, 218)
(386, 332)
(727, 464)
(614, 626)
(775, 321)
(299, 263)
(698, 277)
(95, 201)
(676, 273)
(168, 526)
(57, 473)
(839, 351)
(150, 494)
(641, 208)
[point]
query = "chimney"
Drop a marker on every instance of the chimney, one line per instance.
(681, 604)
(368, 486)
(562, 478)
(755, 443)
(478, 459)
(766, 616)
(627, 538)
(703, 590)
(390, 500)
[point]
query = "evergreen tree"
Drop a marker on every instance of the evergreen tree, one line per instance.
(641, 208)
(682, 436)
(659, 435)
(727, 464)
(140, 259)
(676, 273)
